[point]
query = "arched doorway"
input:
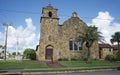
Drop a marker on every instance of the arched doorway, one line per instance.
(49, 53)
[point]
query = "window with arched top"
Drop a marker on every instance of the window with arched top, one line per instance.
(50, 14)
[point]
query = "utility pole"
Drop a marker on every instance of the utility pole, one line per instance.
(6, 35)
(16, 46)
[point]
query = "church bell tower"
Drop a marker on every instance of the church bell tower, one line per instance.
(48, 33)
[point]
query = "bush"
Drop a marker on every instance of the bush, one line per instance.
(63, 59)
(59, 59)
(111, 57)
(118, 58)
(1, 57)
(30, 54)
(84, 59)
(95, 59)
(73, 59)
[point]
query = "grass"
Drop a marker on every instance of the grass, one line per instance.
(21, 64)
(70, 65)
(81, 65)
(95, 63)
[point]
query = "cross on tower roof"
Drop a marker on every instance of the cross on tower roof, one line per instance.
(74, 14)
(50, 6)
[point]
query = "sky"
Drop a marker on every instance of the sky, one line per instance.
(24, 17)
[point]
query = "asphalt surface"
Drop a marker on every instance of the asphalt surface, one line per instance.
(84, 72)
(87, 73)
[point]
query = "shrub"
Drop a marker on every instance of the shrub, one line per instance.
(95, 59)
(73, 59)
(30, 54)
(59, 59)
(1, 57)
(111, 57)
(84, 59)
(62, 59)
(118, 58)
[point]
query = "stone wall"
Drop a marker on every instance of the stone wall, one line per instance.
(105, 52)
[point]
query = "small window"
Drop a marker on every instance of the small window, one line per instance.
(50, 14)
(71, 45)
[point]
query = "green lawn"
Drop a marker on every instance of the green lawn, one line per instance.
(69, 64)
(21, 64)
(97, 63)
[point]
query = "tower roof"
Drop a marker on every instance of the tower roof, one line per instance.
(49, 7)
(74, 14)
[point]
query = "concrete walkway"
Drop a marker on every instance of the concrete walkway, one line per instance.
(54, 64)
(53, 70)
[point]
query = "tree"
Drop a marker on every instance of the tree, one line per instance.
(14, 53)
(29, 54)
(89, 36)
(116, 38)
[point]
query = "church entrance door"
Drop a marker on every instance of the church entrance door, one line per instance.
(49, 54)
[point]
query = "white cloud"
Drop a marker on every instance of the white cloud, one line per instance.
(103, 19)
(1, 38)
(26, 36)
(1, 35)
(105, 23)
(38, 36)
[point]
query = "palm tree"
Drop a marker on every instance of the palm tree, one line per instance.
(89, 36)
(116, 38)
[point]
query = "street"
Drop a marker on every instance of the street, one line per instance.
(88, 73)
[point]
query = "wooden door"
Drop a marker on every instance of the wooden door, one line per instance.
(49, 54)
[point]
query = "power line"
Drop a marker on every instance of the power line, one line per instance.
(62, 16)
(17, 11)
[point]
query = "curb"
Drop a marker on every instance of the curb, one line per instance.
(55, 72)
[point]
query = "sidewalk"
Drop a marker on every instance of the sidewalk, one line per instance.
(55, 70)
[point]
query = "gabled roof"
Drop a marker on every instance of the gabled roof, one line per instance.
(115, 47)
(105, 45)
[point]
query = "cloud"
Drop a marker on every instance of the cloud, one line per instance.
(1, 38)
(103, 19)
(25, 36)
(105, 23)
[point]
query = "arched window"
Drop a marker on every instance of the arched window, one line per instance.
(50, 14)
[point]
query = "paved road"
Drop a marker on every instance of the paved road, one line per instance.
(88, 73)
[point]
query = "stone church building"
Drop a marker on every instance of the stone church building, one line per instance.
(59, 41)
